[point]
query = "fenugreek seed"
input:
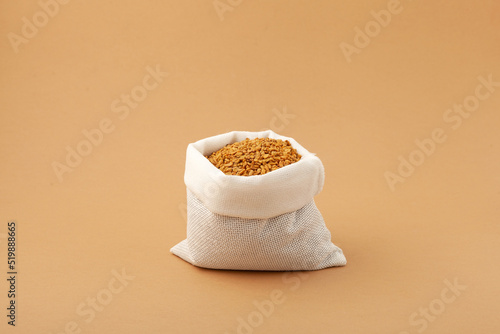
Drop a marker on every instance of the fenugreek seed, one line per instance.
(257, 156)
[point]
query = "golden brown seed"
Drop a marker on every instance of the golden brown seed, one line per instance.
(254, 156)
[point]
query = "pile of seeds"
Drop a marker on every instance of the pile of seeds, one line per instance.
(254, 156)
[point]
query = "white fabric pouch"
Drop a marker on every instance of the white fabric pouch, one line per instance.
(260, 222)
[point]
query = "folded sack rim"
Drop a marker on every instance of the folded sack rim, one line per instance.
(257, 196)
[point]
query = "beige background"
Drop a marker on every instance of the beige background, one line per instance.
(122, 206)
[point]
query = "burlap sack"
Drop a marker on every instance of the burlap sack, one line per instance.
(261, 222)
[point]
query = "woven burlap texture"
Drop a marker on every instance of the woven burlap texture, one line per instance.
(264, 222)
